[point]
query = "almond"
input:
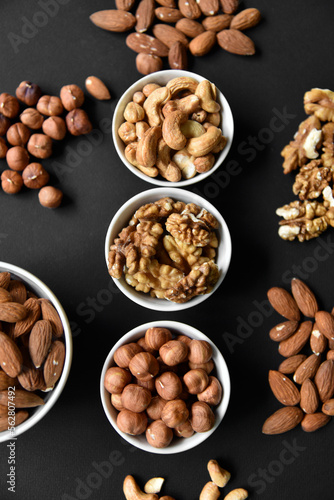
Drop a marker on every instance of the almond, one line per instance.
(229, 6)
(190, 27)
(30, 378)
(283, 302)
(246, 19)
(304, 298)
(330, 354)
(20, 416)
(97, 88)
(325, 322)
(291, 364)
(4, 280)
(50, 314)
(5, 296)
(217, 23)
(10, 356)
(208, 7)
(236, 42)
(6, 381)
(54, 363)
(11, 312)
(168, 15)
(169, 35)
(34, 313)
(144, 15)
(148, 63)
(21, 398)
(313, 422)
(124, 4)
(18, 291)
(203, 43)
(294, 344)
(307, 369)
(40, 341)
(283, 420)
(113, 20)
(140, 42)
(318, 341)
(309, 399)
(167, 3)
(190, 9)
(324, 380)
(328, 407)
(283, 331)
(283, 388)
(177, 56)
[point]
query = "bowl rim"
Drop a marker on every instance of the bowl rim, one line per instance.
(198, 438)
(159, 304)
(52, 396)
(227, 123)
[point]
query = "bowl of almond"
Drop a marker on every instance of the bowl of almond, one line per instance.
(35, 350)
(172, 128)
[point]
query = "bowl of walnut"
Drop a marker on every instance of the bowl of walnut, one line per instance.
(35, 350)
(165, 387)
(168, 249)
(172, 128)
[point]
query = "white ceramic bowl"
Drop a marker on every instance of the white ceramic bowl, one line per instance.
(41, 290)
(221, 372)
(121, 219)
(162, 77)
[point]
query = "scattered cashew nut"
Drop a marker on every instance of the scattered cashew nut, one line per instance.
(154, 485)
(218, 475)
(206, 91)
(200, 146)
(171, 130)
(132, 491)
(210, 492)
(237, 494)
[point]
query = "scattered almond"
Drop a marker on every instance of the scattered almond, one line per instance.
(17, 291)
(304, 298)
(236, 42)
(97, 88)
(294, 344)
(313, 422)
(324, 380)
(283, 420)
(325, 323)
(283, 303)
(203, 43)
(177, 56)
(328, 407)
(113, 20)
(290, 365)
(318, 341)
(246, 19)
(283, 331)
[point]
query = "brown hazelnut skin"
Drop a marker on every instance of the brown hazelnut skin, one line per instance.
(50, 197)
(175, 413)
(9, 105)
(155, 408)
(32, 118)
(131, 423)
(136, 398)
(144, 346)
(158, 434)
(78, 123)
(184, 430)
(50, 105)
(17, 158)
(35, 176)
(116, 379)
(212, 395)
(18, 134)
(144, 366)
(3, 148)
(116, 401)
(196, 381)
(125, 353)
(72, 97)
(173, 352)
(168, 386)
(4, 124)
(156, 337)
(208, 367)
(184, 339)
(55, 127)
(202, 418)
(40, 146)
(149, 384)
(28, 92)
(200, 351)
(11, 181)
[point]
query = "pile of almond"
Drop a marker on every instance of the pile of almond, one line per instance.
(307, 398)
(32, 351)
(204, 22)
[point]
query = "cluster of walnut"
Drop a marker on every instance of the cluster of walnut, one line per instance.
(167, 250)
(163, 387)
(312, 153)
(173, 130)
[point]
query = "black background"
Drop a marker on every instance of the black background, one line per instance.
(65, 248)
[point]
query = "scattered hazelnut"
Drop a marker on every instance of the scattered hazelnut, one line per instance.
(144, 366)
(50, 197)
(116, 379)
(18, 134)
(54, 127)
(202, 418)
(155, 407)
(29, 93)
(78, 123)
(32, 118)
(72, 97)
(168, 386)
(174, 413)
(116, 401)
(200, 351)
(136, 398)
(17, 158)
(9, 105)
(4, 124)
(50, 105)
(212, 395)
(125, 353)
(184, 430)
(173, 352)
(97, 88)
(158, 434)
(131, 423)
(157, 337)
(3, 148)
(35, 176)
(40, 146)
(11, 181)
(196, 381)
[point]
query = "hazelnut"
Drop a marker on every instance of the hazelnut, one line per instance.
(168, 386)
(149, 88)
(50, 197)
(3, 148)
(202, 418)
(131, 423)
(142, 343)
(158, 434)
(136, 398)
(133, 112)
(4, 124)
(116, 401)
(50, 105)
(78, 123)
(54, 127)
(139, 98)
(204, 163)
(127, 132)
(208, 367)
(97, 88)
(149, 384)
(72, 97)
(116, 379)
(157, 337)
(35, 176)
(173, 352)
(196, 381)
(11, 181)
(155, 407)
(144, 366)
(174, 413)
(184, 430)
(29, 93)
(40, 146)
(32, 118)
(18, 134)
(125, 353)
(17, 158)
(200, 351)
(212, 395)
(184, 339)
(9, 105)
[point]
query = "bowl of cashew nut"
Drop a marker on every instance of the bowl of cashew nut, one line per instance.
(172, 128)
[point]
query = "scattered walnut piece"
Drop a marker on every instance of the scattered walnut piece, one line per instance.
(303, 220)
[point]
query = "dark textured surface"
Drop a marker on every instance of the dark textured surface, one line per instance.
(65, 248)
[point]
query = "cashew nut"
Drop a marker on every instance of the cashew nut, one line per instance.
(147, 147)
(206, 91)
(185, 162)
(171, 130)
(154, 485)
(133, 112)
(210, 492)
(167, 497)
(218, 475)
(132, 491)
(182, 83)
(154, 103)
(220, 145)
(199, 115)
(141, 128)
(200, 146)
(238, 494)
(214, 119)
(130, 155)
(204, 163)
(167, 168)
(127, 132)
(187, 105)
(192, 128)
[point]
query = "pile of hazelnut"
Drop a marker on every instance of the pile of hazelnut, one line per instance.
(31, 134)
(162, 386)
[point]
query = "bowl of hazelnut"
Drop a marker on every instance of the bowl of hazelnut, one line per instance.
(172, 128)
(168, 249)
(165, 387)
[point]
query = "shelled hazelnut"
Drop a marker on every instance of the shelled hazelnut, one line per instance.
(17, 158)
(28, 93)
(3, 148)
(40, 146)
(54, 127)
(18, 134)
(11, 181)
(35, 176)
(50, 197)
(50, 105)
(9, 105)
(32, 118)
(72, 97)
(78, 123)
